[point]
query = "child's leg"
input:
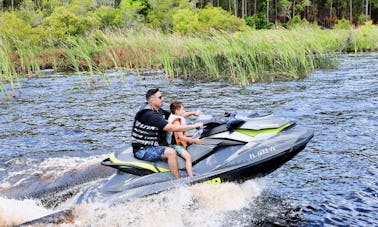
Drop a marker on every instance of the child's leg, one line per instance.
(188, 162)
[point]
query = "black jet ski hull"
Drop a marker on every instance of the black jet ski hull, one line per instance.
(256, 170)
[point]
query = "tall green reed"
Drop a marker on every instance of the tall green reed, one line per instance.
(241, 58)
(8, 72)
(245, 57)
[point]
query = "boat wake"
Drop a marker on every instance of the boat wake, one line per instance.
(182, 206)
(14, 212)
(50, 179)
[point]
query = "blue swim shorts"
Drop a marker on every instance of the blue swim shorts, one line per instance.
(151, 153)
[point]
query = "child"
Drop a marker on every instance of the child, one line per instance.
(179, 140)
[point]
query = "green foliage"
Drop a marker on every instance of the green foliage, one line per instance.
(295, 22)
(48, 6)
(258, 21)
(14, 27)
(300, 6)
(206, 20)
(343, 24)
(367, 37)
(218, 19)
(63, 23)
(185, 21)
(28, 5)
(108, 17)
(162, 12)
(82, 7)
(129, 15)
(285, 6)
(143, 6)
(363, 18)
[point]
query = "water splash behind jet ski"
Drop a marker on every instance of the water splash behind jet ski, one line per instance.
(236, 148)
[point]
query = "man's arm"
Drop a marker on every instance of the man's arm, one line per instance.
(180, 128)
(189, 139)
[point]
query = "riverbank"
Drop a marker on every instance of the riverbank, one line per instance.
(242, 57)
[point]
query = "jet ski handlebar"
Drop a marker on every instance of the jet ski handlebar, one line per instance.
(218, 120)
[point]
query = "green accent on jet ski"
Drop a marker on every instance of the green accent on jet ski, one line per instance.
(217, 180)
(253, 133)
(143, 165)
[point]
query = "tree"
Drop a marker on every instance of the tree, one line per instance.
(236, 6)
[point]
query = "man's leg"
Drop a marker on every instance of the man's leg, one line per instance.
(171, 156)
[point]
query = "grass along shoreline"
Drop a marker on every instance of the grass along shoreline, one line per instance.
(243, 57)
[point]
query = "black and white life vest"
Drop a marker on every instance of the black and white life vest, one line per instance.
(142, 134)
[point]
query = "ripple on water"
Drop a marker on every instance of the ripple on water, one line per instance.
(333, 181)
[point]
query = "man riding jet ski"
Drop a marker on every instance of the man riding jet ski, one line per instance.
(235, 148)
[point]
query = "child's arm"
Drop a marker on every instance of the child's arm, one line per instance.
(189, 139)
(192, 113)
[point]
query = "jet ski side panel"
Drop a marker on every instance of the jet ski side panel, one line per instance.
(265, 159)
(261, 158)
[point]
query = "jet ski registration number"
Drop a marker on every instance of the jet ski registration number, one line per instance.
(262, 152)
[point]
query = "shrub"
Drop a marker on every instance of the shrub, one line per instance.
(17, 29)
(367, 37)
(205, 20)
(362, 19)
(132, 14)
(49, 6)
(343, 24)
(258, 21)
(218, 19)
(295, 21)
(108, 16)
(63, 23)
(185, 21)
(162, 11)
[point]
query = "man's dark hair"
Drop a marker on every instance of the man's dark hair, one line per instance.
(175, 105)
(151, 92)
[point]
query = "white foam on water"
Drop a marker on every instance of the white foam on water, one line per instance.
(53, 168)
(14, 212)
(228, 196)
(197, 205)
(47, 170)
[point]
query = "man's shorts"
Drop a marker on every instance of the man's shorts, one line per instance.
(178, 148)
(151, 153)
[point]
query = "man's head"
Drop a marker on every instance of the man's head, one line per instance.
(151, 92)
(177, 107)
(154, 98)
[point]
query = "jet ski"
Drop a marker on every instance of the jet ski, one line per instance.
(235, 148)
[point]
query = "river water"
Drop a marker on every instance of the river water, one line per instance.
(55, 133)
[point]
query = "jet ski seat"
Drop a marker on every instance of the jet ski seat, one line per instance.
(126, 162)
